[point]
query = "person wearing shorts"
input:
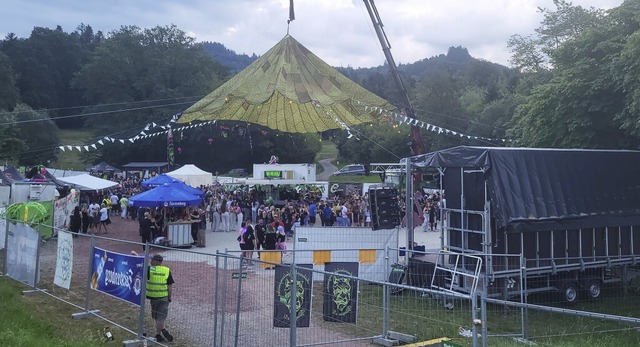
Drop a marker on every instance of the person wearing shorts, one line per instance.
(159, 283)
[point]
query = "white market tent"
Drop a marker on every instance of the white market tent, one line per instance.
(87, 182)
(192, 175)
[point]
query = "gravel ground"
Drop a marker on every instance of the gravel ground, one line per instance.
(193, 309)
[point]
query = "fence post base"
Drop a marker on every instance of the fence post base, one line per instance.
(406, 338)
(32, 292)
(384, 341)
(85, 314)
(133, 343)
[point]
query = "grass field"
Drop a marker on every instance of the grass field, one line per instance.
(40, 320)
(328, 150)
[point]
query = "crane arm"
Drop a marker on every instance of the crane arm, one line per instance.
(416, 141)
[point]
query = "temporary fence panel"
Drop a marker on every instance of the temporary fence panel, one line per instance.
(323, 242)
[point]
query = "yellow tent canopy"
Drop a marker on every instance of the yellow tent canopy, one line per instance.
(289, 89)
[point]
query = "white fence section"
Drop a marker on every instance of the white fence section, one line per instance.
(348, 245)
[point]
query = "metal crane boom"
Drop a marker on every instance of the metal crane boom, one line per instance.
(416, 141)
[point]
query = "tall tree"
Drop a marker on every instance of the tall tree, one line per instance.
(586, 103)
(138, 76)
(45, 64)
(9, 95)
(40, 134)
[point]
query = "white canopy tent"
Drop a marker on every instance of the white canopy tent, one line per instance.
(192, 175)
(87, 182)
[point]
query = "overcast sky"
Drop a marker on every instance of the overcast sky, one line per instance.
(338, 31)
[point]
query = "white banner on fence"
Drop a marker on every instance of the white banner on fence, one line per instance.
(64, 262)
(3, 226)
(63, 208)
(22, 253)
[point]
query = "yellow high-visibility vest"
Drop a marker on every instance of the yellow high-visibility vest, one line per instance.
(157, 284)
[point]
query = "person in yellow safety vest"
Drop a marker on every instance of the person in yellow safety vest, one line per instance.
(159, 282)
(107, 203)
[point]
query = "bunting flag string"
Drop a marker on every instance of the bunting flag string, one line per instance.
(400, 118)
(145, 133)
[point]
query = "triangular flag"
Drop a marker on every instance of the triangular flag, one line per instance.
(79, 149)
(94, 146)
(121, 140)
(70, 147)
(62, 148)
(86, 148)
(100, 142)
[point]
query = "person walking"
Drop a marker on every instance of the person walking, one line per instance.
(123, 207)
(224, 212)
(215, 220)
(159, 289)
(86, 219)
(75, 221)
(146, 230)
(194, 218)
(104, 219)
(94, 214)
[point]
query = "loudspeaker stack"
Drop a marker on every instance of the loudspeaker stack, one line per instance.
(385, 210)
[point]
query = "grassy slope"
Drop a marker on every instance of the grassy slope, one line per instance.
(72, 160)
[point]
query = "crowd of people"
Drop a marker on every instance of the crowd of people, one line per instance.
(269, 221)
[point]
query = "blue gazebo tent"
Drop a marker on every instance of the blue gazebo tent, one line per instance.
(167, 195)
(165, 179)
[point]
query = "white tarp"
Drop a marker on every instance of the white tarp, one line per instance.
(88, 182)
(192, 175)
(64, 261)
(22, 253)
(57, 173)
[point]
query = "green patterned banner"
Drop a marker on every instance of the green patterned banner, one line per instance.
(340, 292)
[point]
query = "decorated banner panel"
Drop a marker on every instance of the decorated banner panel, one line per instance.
(64, 260)
(283, 292)
(340, 293)
(22, 253)
(118, 275)
(345, 189)
(63, 208)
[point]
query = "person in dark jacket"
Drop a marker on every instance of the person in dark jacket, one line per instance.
(270, 238)
(86, 219)
(145, 230)
(75, 222)
(260, 233)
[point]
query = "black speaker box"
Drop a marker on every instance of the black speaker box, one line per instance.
(384, 193)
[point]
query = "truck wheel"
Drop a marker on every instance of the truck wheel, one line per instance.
(594, 289)
(570, 292)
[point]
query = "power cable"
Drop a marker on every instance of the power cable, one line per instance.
(95, 113)
(108, 104)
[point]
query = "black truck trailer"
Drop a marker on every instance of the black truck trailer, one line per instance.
(563, 220)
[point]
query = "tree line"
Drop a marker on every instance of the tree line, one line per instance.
(573, 83)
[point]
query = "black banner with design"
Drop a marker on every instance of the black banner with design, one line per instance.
(282, 301)
(345, 189)
(340, 293)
